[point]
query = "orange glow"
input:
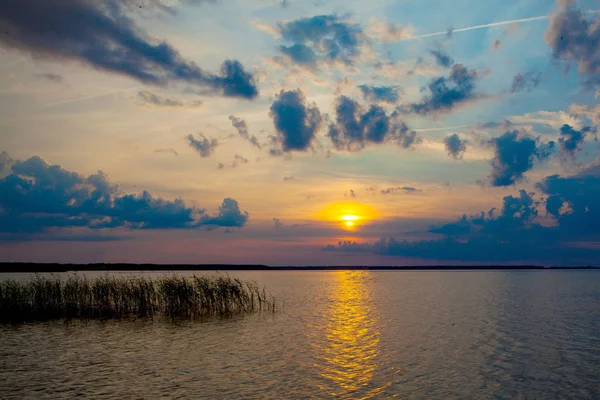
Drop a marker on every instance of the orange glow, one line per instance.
(349, 214)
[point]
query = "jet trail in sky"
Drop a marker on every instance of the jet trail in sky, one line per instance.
(490, 25)
(470, 28)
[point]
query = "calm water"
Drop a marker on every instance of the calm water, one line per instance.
(436, 335)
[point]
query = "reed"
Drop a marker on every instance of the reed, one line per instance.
(108, 297)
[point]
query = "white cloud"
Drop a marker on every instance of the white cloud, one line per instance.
(386, 32)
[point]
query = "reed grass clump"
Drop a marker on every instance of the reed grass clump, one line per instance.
(108, 297)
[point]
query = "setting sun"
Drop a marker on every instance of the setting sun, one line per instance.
(348, 214)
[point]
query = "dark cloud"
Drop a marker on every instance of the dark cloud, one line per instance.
(36, 196)
(295, 121)
(455, 146)
(400, 189)
(288, 178)
(146, 98)
(574, 36)
(51, 77)
(574, 202)
(446, 93)
(381, 94)
(442, 58)
(514, 154)
(171, 7)
(350, 193)
(229, 215)
(204, 146)
(301, 54)
(321, 39)
(504, 124)
(355, 127)
(571, 140)
(525, 82)
(242, 129)
(277, 222)
(102, 35)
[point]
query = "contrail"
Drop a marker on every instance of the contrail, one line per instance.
(500, 23)
(94, 96)
(445, 128)
(470, 28)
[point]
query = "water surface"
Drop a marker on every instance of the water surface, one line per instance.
(346, 334)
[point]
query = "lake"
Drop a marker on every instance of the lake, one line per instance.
(338, 334)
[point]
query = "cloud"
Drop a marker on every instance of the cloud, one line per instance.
(496, 45)
(525, 82)
(288, 178)
(401, 69)
(574, 37)
(350, 193)
(514, 154)
(551, 119)
(442, 58)
(571, 140)
(237, 160)
(5, 162)
(400, 189)
(242, 129)
(169, 151)
(573, 201)
(355, 127)
(149, 99)
(322, 39)
(455, 146)
(277, 222)
(381, 94)
(446, 93)
(51, 77)
(590, 114)
(229, 215)
(169, 6)
(504, 124)
(205, 147)
(101, 35)
(295, 121)
(36, 196)
(387, 33)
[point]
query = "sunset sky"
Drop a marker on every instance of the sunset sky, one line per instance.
(325, 132)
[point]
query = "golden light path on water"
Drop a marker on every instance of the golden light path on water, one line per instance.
(351, 345)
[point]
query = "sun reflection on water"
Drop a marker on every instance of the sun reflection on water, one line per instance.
(351, 341)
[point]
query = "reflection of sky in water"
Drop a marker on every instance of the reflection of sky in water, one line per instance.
(351, 345)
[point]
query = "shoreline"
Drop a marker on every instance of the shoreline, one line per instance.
(57, 267)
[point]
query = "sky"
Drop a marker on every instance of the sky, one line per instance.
(325, 132)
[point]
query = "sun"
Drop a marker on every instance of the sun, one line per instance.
(350, 220)
(348, 214)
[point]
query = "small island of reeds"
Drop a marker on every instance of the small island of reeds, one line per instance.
(110, 297)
